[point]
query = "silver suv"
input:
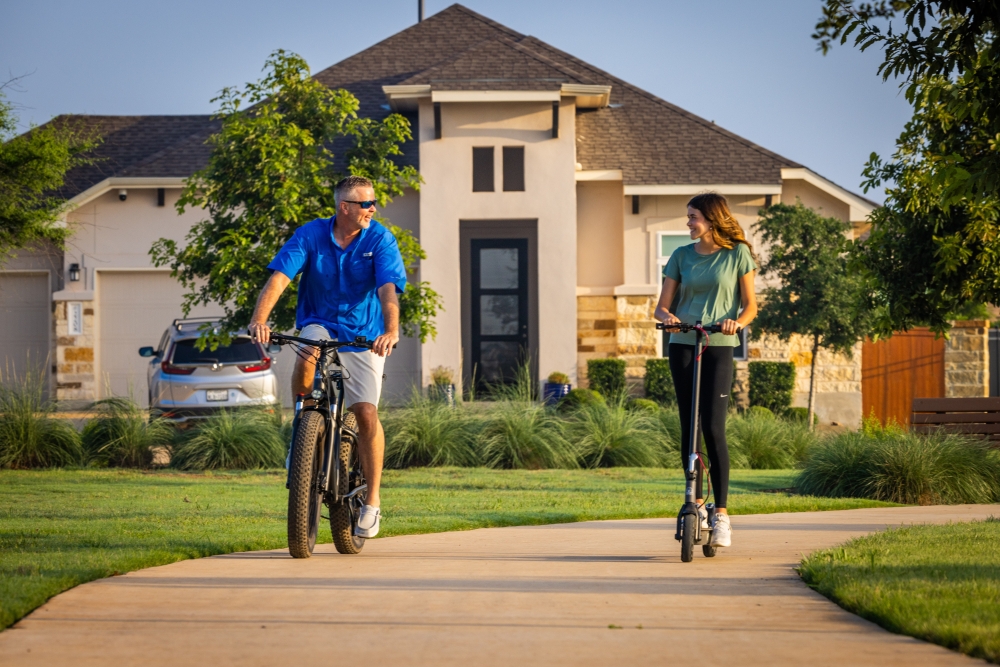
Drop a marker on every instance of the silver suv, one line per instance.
(187, 383)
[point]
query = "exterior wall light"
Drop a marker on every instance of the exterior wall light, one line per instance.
(74, 273)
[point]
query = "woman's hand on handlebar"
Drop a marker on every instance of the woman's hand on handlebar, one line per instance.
(730, 327)
(259, 332)
(669, 319)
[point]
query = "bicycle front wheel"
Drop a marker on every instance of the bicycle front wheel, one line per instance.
(305, 497)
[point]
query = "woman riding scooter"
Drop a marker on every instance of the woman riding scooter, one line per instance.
(711, 281)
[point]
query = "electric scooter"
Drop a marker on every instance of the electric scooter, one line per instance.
(689, 531)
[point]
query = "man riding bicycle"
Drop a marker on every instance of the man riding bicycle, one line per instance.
(351, 273)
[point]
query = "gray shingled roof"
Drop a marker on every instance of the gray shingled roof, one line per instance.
(652, 141)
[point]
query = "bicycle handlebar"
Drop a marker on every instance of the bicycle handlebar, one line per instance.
(684, 328)
(282, 339)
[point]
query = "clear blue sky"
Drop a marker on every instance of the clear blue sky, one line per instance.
(749, 66)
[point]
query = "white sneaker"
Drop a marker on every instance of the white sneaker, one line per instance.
(703, 513)
(368, 522)
(722, 531)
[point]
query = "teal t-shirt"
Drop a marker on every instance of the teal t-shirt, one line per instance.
(709, 288)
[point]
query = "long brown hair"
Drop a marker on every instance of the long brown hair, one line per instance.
(726, 231)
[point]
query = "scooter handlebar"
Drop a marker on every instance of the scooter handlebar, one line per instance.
(684, 328)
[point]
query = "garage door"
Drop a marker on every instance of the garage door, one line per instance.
(25, 307)
(134, 309)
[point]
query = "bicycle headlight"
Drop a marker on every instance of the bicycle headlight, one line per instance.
(317, 394)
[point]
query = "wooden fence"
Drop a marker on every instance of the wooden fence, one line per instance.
(894, 371)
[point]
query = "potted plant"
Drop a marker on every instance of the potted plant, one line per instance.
(556, 387)
(443, 385)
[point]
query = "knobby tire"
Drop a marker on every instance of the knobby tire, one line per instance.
(305, 499)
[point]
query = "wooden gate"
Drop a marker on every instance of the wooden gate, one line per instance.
(895, 371)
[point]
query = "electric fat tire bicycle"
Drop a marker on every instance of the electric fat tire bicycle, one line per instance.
(689, 531)
(324, 464)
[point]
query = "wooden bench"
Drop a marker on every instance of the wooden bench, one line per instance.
(972, 416)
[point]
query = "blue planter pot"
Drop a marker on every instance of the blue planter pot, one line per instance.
(554, 393)
(442, 393)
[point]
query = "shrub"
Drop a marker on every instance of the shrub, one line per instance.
(800, 415)
(30, 437)
(771, 384)
(761, 441)
(759, 412)
(556, 377)
(901, 467)
(121, 434)
(607, 376)
(610, 435)
(659, 383)
(524, 435)
(245, 439)
(643, 405)
(668, 423)
(577, 398)
(427, 433)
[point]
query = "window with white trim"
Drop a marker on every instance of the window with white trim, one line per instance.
(666, 244)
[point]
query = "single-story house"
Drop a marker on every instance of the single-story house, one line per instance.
(553, 194)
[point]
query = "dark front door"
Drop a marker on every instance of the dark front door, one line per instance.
(499, 308)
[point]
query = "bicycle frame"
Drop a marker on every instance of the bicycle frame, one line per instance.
(327, 384)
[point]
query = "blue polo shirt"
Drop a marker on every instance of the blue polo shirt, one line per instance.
(338, 286)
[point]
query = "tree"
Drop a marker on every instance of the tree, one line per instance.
(271, 170)
(33, 167)
(819, 296)
(935, 244)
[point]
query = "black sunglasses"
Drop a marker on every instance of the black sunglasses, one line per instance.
(362, 204)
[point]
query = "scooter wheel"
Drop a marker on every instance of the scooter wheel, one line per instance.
(709, 551)
(688, 528)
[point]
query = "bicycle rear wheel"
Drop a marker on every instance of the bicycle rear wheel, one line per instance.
(305, 498)
(344, 515)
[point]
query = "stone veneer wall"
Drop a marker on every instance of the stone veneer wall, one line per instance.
(624, 327)
(966, 359)
(75, 379)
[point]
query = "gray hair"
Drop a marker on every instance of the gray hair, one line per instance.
(347, 185)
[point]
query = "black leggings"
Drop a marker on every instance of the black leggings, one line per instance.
(716, 383)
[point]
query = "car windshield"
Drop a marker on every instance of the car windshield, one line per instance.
(240, 351)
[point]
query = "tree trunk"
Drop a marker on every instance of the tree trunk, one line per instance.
(812, 384)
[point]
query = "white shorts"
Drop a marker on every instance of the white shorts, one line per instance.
(362, 370)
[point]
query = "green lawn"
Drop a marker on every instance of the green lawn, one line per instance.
(938, 583)
(61, 528)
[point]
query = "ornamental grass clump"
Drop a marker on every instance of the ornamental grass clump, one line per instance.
(429, 433)
(235, 439)
(609, 435)
(30, 436)
(897, 466)
(760, 441)
(524, 435)
(122, 435)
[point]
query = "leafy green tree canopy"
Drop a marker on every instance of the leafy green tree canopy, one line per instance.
(33, 166)
(935, 245)
(818, 296)
(272, 170)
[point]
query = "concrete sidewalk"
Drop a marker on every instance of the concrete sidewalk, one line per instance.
(544, 595)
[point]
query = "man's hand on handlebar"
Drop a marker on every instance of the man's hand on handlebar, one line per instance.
(382, 346)
(259, 332)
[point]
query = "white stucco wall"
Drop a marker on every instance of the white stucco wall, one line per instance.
(447, 198)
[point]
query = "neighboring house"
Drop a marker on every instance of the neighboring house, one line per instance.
(553, 195)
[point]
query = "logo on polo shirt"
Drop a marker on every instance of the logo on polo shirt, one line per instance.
(366, 254)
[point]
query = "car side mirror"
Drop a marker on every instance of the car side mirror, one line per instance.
(273, 348)
(147, 351)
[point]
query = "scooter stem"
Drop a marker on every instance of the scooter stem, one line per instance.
(690, 491)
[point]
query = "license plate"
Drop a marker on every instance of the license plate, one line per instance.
(217, 394)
